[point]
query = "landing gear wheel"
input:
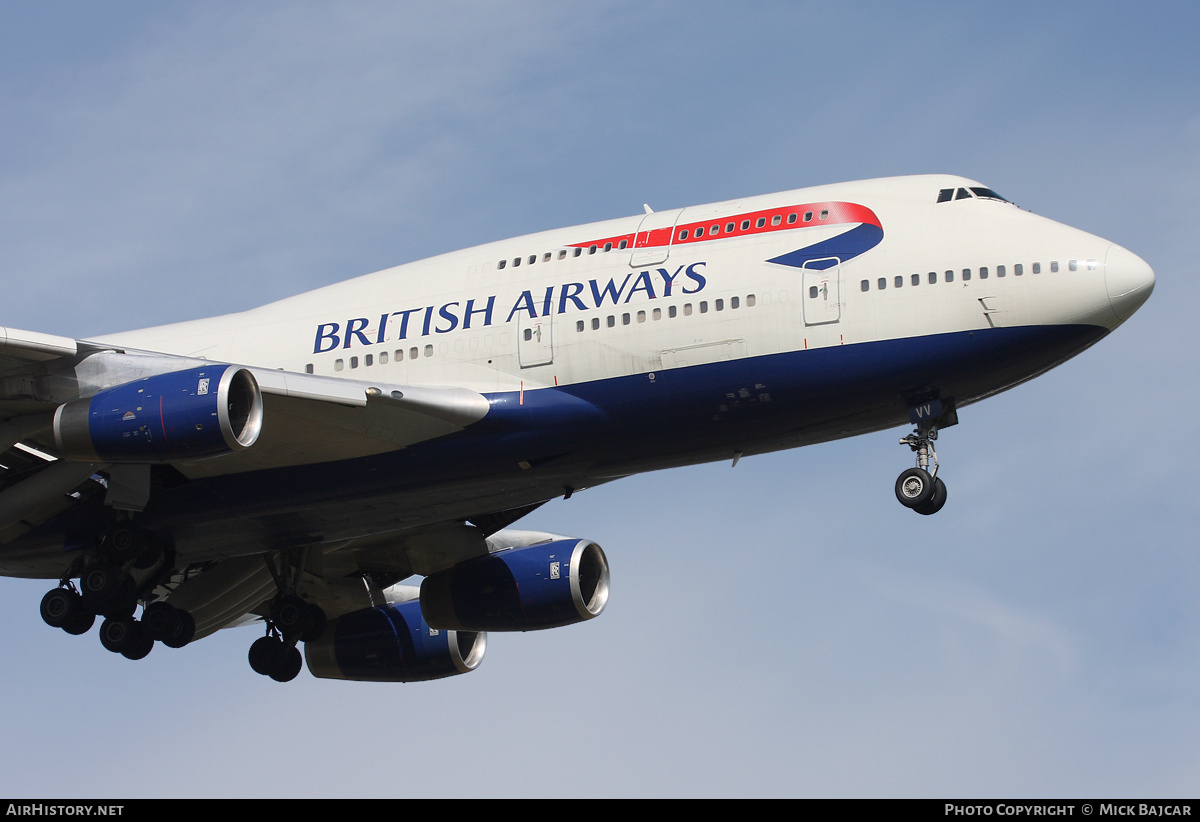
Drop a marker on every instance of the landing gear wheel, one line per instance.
(288, 667)
(138, 648)
(316, 624)
(266, 654)
(125, 542)
(81, 623)
(914, 487)
(60, 607)
(119, 633)
(186, 633)
(936, 501)
(124, 601)
(99, 584)
(291, 615)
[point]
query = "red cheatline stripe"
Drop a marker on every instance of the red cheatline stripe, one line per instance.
(836, 213)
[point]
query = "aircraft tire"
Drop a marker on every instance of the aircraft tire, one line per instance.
(914, 487)
(936, 501)
(265, 655)
(59, 607)
(288, 667)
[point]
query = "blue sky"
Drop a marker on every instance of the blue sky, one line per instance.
(781, 628)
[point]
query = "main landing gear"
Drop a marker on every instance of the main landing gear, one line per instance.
(110, 586)
(292, 621)
(919, 488)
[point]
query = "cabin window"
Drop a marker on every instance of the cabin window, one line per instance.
(429, 351)
(733, 303)
(579, 326)
(546, 257)
(1018, 270)
(592, 249)
(898, 281)
(516, 261)
(338, 365)
(383, 357)
(608, 246)
(532, 259)
(729, 227)
(1091, 264)
(578, 251)
(745, 224)
(672, 311)
(624, 319)
(1000, 271)
(699, 232)
(824, 214)
(791, 219)
(720, 305)
(611, 322)
(749, 300)
(865, 285)
(714, 229)
(412, 353)
(683, 235)
(624, 244)
(398, 354)
(762, 221)
(595, 323)
(881, 285)
(776, 220)
(704, 306)
(308, 369)
(916, 279)
(354, 362)
(932, 278)
(657, 314)
(807, 216)
(369, 360)
(562, 254)
(687, 309)
(641, 316)
(1073, 265)
(1037, 268)
(966, 274)
(501, 264)
(1054, 266)
(949, 276)
(983, 273)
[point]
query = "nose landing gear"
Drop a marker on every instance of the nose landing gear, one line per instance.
(919, 488)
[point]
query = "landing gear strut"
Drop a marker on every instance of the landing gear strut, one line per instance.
(291, 620)
(919, 488)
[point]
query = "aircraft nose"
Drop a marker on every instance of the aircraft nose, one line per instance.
(1129, 280)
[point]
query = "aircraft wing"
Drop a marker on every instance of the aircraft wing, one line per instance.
(305, 418)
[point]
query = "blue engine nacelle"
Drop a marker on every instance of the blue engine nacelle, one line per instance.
(520, 589)
(391, 643)
(201, 412)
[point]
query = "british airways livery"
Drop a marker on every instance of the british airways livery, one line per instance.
(293, 465)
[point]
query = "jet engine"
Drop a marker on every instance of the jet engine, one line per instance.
(392, 643)
(547, 585)
(200, 412)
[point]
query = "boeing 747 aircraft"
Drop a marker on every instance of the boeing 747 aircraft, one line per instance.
(294, 464)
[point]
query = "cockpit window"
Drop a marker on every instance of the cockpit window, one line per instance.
(945, 195)
(987, 194)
